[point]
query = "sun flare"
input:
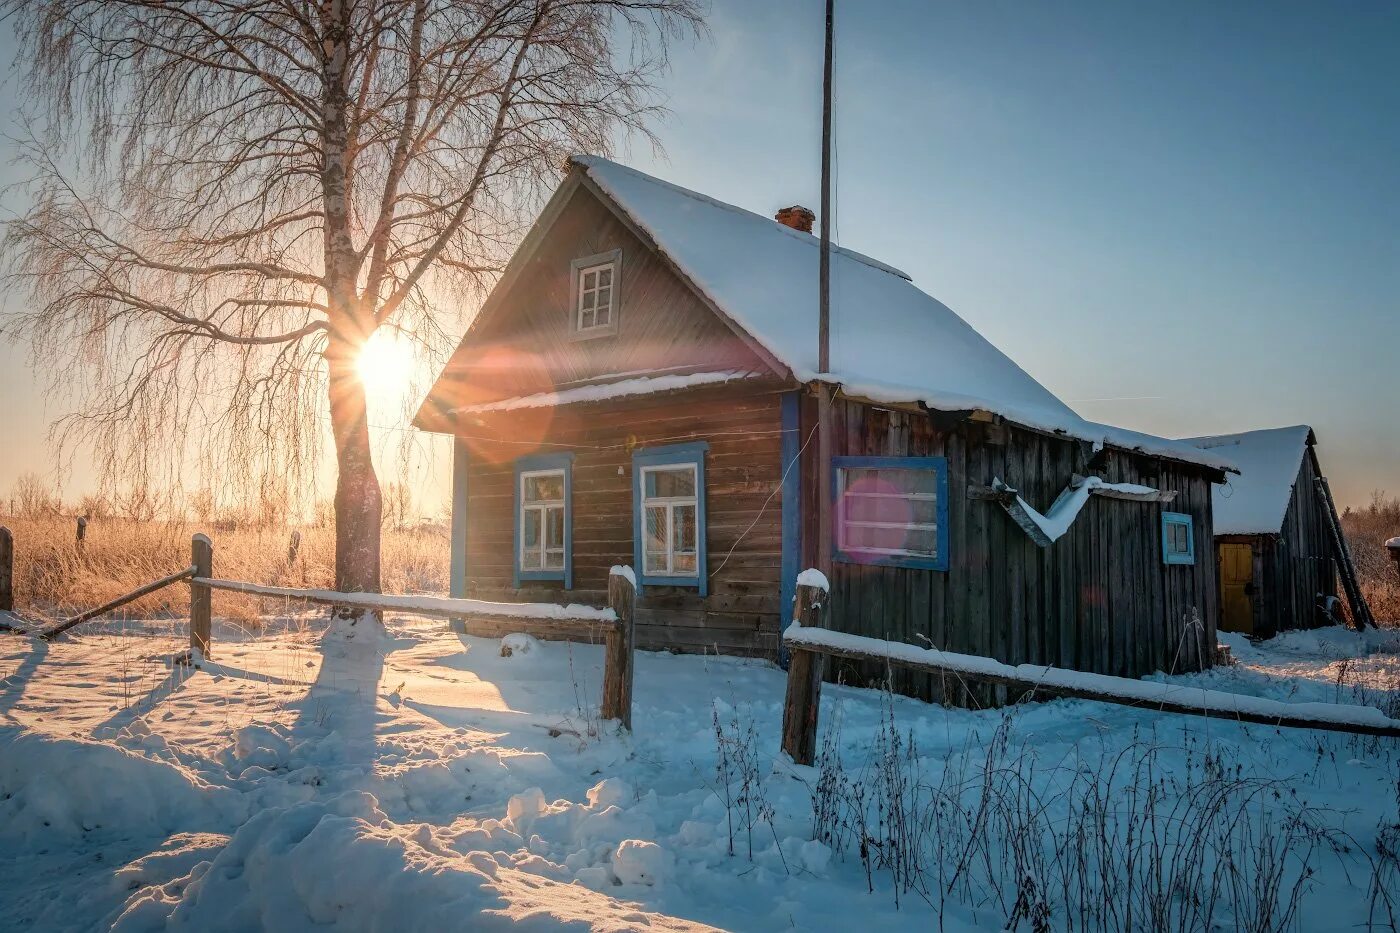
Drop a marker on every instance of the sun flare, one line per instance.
(386, 366)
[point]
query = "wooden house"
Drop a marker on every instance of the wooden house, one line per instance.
(1273, 533)
(639, 389)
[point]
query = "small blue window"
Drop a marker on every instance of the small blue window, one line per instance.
(1178, 541)
(891, 511)
(668, 515)
(544, 519)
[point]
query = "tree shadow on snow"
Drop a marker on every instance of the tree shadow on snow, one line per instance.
(340, 709)
(13, 686)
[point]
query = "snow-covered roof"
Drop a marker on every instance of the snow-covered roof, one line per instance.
(1256, 501)
(890, 341)
(602, 391)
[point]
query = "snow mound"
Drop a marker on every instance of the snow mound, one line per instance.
(813, 577)
(609, 792)
(518, 643)
(65, 788)
(637, 861)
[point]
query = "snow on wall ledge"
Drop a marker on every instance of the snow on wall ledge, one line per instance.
(1144, 691)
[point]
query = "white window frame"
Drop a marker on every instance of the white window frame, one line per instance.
(671, 503)
(593, 264)
(544, 507)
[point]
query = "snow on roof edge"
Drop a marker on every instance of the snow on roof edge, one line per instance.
(1097, 434)
(602, 391)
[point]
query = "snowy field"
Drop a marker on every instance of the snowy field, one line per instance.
(429, 783)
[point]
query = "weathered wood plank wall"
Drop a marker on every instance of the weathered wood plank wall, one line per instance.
(1099, 599)
(1298, 564)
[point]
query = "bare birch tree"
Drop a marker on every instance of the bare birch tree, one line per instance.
(231, 196)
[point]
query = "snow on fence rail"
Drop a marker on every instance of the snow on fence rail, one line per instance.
(547, 619)
(809, 644)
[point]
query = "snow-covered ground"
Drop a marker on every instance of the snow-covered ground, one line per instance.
(429, 783)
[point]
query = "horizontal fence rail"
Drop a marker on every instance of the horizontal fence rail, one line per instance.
(437, 606)
(810, 644)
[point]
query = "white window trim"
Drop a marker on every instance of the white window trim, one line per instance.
(671, 503)
(580, 266)
(542, 506)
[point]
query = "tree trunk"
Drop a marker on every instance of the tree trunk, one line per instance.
(358, 506)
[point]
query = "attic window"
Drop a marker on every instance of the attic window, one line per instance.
(596, 296)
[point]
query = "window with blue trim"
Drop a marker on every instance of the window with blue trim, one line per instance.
(1178, 541)
(544, 518)
(891, 511)
(668, 515)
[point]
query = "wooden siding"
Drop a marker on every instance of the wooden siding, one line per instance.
(1099, 599)
(743, 515)
(526, 344)
(1294, 566)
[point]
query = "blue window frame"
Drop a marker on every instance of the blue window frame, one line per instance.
(668, 515)
(1178, 538)
(544, 519)
(891, 511)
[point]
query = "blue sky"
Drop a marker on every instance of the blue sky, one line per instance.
(1190, 210)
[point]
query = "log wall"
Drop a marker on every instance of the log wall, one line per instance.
(743, 514)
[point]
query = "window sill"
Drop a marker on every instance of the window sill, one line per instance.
(593, 333)
(540, 574)
(890, 560)
(692, 582)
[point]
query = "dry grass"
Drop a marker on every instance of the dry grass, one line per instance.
(53, 577)
(1367, 529)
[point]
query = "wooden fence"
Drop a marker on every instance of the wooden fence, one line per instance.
(575, 623)
(809, 644)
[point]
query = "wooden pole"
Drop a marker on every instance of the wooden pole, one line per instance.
(293, 546)
(7, 570)
(201, 597)
(824, 282)
(81, 534)
(1393, 546)
(1360, 612)
(619, 647)
(804, 683)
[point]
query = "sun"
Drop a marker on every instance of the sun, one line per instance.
(386, 366)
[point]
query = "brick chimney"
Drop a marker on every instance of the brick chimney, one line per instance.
(797, 217)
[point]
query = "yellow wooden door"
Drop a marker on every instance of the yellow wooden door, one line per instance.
(1236, 591)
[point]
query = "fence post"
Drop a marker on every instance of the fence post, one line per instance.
(81, 534)
(201, 602)
(7, 570)
(617, 670)
(1393, 546)
(293, 546)
(804, 681)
